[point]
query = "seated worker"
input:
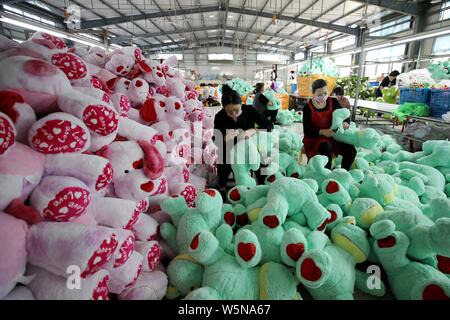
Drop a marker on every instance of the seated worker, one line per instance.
(387, 82)
(260, 102)
(317, 119)
(235, 121)
(338, 93)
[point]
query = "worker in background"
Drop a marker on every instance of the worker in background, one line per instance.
(387, 82)
(318, 135)
(235, 122)
(293, 82)
(338, 93)
(260, 102)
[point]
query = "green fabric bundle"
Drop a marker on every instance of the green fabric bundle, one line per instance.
(411, 109)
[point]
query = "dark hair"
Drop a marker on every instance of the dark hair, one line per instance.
(259, 86)
(394, 73)
(319, 83)
(339, 91)
(229, 96)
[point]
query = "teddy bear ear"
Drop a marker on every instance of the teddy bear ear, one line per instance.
(143, 66)
(111, 83)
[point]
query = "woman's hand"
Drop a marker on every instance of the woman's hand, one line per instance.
(247, 134)
(270, 103)
(326, 133)
(231, 134)
(346, 125)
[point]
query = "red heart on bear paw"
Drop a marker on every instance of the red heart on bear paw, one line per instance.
(332, 187)
(235, 195)
(194, 242)
(295, 250)
(310, 271)
(229, 218)
(271, 221)
(434, 292)
(246, 251)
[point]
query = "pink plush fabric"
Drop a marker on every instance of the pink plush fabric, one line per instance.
(13, 253)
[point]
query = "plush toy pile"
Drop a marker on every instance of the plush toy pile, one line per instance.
(321, 229)
(322, 66)
(91, 143)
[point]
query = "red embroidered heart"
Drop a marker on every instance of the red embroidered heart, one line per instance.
(124, 104)
(443, 264)
(59, 43)
(7, 135)
(210, 192)
(147, 187)
(434, 292)
(59, 136)
(162, 187)
(295, 250)
(309, 270)
(96, 83)
(119, 69)
(100, 119)
(235, 195)
(242, 219)
(100, 256)
(295, 175)
(69, 203)
(177, 106)
(194, 242)
(189, 193)
(153, 257)
(71, 65)
(332, 187)
(388, 242)
(125, 251)
(271, 221)
(134, 218)
(7, 101)
(229, 218)
(138, 164)
(271, 178)
(105, 178)
(186, 175)
(101, 291)
(139, 83)
(162, 104)
(246, 251)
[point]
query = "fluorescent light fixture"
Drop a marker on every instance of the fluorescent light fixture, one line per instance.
(167, 41)
(220, 56)
(31, 27)
(230, 17)
(212, 16)
(434, 34)
(270, 42)
(271, 57)
(17, 40)
(91, 44)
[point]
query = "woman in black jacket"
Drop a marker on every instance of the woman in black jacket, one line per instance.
(235, 122)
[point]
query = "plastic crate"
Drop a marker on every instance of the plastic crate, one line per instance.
(439, 103)
(373, 84)
(419, 95)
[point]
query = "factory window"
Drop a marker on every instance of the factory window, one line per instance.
(441, 45)
(388, 28)
(445, 11)
(343, 42)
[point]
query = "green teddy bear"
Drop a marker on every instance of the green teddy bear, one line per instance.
(289, 166)
(238, 276)
(329, 272)
(271, 96)
(293, 197)
(408, 280)
(187, 222)
(315, 169)
(366, 138)
(184, 275)
(335, 193)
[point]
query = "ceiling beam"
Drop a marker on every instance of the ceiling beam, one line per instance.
(120, 39)
(143, 16)
(170, 13)
(258, 14)
(403, 7)
(209, 39)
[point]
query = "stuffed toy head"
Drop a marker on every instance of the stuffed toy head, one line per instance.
(138, 91)
(138, 169)
(38, 82)
(120, 64)
(153, 72)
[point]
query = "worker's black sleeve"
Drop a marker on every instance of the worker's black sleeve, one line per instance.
(260, 119)
(263, 99)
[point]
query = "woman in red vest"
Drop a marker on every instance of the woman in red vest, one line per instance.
(317, 118)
